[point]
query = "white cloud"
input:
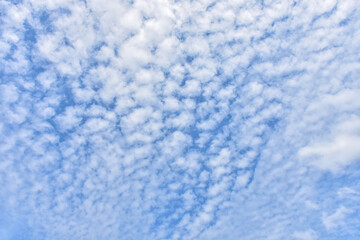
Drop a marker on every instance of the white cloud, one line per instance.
(96, 124)
(70, 118)
(46, 79)
(9, 93)
(337, 219)
(338, 150)
(306, 235)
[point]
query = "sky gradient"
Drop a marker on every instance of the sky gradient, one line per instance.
(179, 119)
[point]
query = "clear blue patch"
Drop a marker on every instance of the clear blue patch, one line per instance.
(30, 34)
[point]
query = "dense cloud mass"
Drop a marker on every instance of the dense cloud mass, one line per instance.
(179, 119)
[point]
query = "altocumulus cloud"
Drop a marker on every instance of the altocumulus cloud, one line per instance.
(168, 119)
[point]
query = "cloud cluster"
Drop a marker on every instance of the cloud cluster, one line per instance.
(179, 119)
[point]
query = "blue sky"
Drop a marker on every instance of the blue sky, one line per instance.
(168, 119)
